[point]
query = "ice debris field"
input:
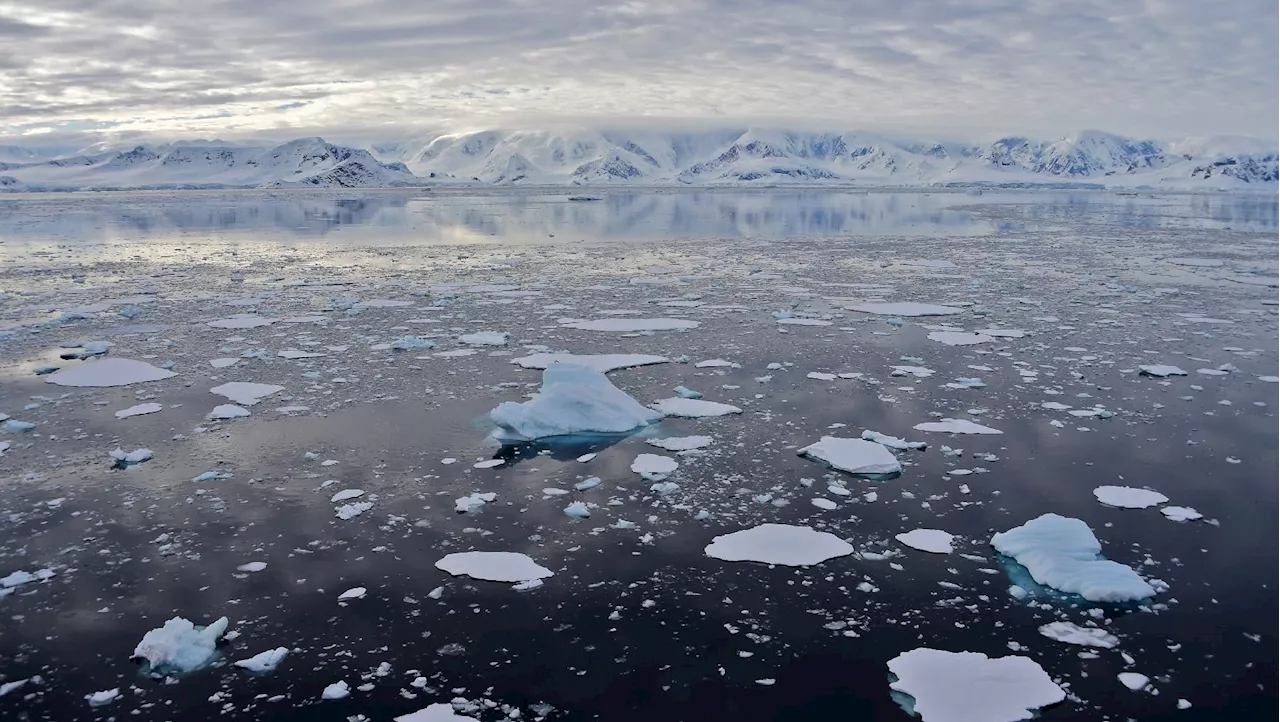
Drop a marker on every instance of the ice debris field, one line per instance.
(1012, 477)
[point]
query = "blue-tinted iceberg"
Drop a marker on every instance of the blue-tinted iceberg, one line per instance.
(180, 646)
(573, 400)
(1063, 553)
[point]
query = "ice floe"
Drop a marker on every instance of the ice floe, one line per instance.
(1134, 681)
(654, 467)
(785, 544)
(1181, 513)
(959, 338)
(263, 661)
(1128, 497)
(972, 687)
(1160, 370)
(892, 442)
(1081, 636)
(681, 443)
(435, 713)
(907, 308)
(855, 456)
(485, 338)
(633, 325)
(243, 320)
(18, 578)
(693, 408)
(493, 566)
(927, 540)
(106, 696)
(125, 459)
(138, 410)
(337, 690)
(1062, 553)
(573, 400)
(956, 426)
(245, 393)
(353, 593)
(109, 372)
(228, 411)
(179, 646)
(603, 362)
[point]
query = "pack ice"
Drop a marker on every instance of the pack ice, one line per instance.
(180, 646)
(793, 546)
(109, 372)
(573, 400)
(972, 687)
(1063, 553)
(602, 362)
(855, 456)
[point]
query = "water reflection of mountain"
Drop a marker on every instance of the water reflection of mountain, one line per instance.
(1237, 212)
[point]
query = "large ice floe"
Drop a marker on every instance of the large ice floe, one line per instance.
(602, 362)
(956, 426)
(907, 308)
(493, 566)
(109, 372)
(1128, 497)
(934, 541)
(179, 646)
(793, 546)
(573, 400)
(855, 456)
(970, 686)
(693, 408)
(438, 712)
(1062, 553)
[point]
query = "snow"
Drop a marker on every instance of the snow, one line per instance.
(1161, 370)
(1127, 497)
(956, 426)
(785, 544)
(179, 646)
(1181, 513)
(603, 362)
(263, 661)
(1133, 680)
(434, 713)
(907, 308)
(959, 338)
(693, 408)
(493, 566)
(927, 540)
(228, 411)
(138, 410)
(245, 393)
(1082, 636)
(653, 467)
(972, 687)
(681, 443)
(573, 400)
(855, 456)
(892, 442)
(633, 325)
(243, 320)
(485, 338)
(1062, 553)
(108, 372)
(337, 690)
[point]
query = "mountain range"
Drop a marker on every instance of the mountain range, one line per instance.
(587, 157)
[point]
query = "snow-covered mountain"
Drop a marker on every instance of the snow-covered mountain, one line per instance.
(736, 157)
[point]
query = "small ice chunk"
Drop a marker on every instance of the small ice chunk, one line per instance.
(353, 593)
(717, 363)
(242, 320)
(228, 411)
(1181, 513)
(138, 410)
(590, 482)
(108, 372)
(1063, 553)
(693, 408)
(972, 687)
(493, 566)
(252, 567)
(892, 442)
(785, 544)
(351, 511)
(822, 503)
(855, 456)
(471, 502)
(485, 338)
(654, 467)
(434, 713)
(20, 577)
(180, 646)
(1082, 636)
(906, 308)
(1160, 370)
(1133, 680)
(956, 426)
(681, 443)
(411, 343)
(959, 338)
(337, 690)
(245, 393)
(1127, 497)
(263, 661)
(97, 699)
(577, 510)
(131, 458)
(602, 362)
(346, 494)
(927, 540)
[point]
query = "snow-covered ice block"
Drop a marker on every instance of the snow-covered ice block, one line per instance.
(907, 308)
(794, 546)
(972, 687)
(435, 713)
(138, 410)
(20, 577)
(693, 408)
(337, 690)
(109, 372)
(1181, 513)
(1062, 553)
(573, 400)
(493, 566)
(855, 456)
(654, 467)
(1127, 497)
(179, 646)
(242, 320)
(263, 661)
(602, 362)
(228, 411)
(681, 443)
(956, 426)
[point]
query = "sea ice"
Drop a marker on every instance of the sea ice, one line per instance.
(471, 502)
(602, 362)
(20, 577)
(97, 699)
(855, 456)
(632, 325)
(693, 408)
(131, 458)
(577, 510)
(180, 646)
(907, 308)
(263, 661)
(794, 546)
(972, 687)
(411, 343)
(956, 426)
(927, 540)
(493, 566)
(109, 372)
(573, 400)
(293, 353)
(351, 511)
(1181, 513)
(245, 393)
(337, 690)
(252, 567)
(243, 320)
(1196, 262)
(795, 321)
(346, 494)
(1160, 370)
(1127, 497)
(228, 411)
(681, 443)
(1082, 636)
(1133, 680)
(434, 713)
(653, 467)
(353, 593)
(959, 338)
(1062, 553)
(485, 338)
(138, 410)
(892, 442)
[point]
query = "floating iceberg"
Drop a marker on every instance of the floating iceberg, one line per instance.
(1082, 636)
(793, 546)
(892, 442)
(435, 713)
(972, 687)
(573, 400)
(959, 338)
(485, 338)
(1063, 553)
(493, 566)
(927, 540)
(1127, 497)
(855, 456)
(1160, 370)
(681, 443)
(654, 467)
(179, 646)
(245, 393)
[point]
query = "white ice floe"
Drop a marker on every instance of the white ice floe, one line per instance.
(346, 494)
(108, 372)
(228, 411)
(959, 338)
(681, 443)
(263, 661)
(131, 458)
(956, 426)
(693, 408)
(907, 308)
(573, 400)
(855, 456)
(485, 338)
(1160, 370)
(1062, 553)
(1001, 332)
(1134, 681)
(654, 467)
(411, 343)
(138, 410)
(20, 577)
(602, 362)
(892, 442)
(245, 393)
(795, 321)
(337, 690)
(474, 501)
(793, 546)
(180, 646)
(493, 566)
(106, 696)
(353, 510)
(252, 567)
(927, 540)
(972, 687)
(293, 353)
(243, 320)
(434, 713)
(1127, 497)
(919, 372)
(222, 363)
(577, 510)
(633, 325)
(716, 363)
(1181, 513)
(1195, 262)
(353, 593)
(1082, 636)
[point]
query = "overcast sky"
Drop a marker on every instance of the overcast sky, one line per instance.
(1158, 68)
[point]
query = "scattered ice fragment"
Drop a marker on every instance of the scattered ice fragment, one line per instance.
(603, 362)
(632, 325)
(1184, 704)
(573, 400)
(97, 699)
(138, 410)
(353, 593)
(1160, 370)
(1001, 332)
(351, 511)
(337, 690)
(471, 502)
(971, 687)
(1133, 680)
(796, 546)
(526, 586)
(493, 566)
(716, 363)
(822, 503)
(346, 494)
(1127, 497)
(907, 308)
(665, 487)
(252, 567)
(959, 338)
(180, 646)
(794, 321)
(222, 363)
(485, 338)
(108, 372)
(654, 467)
(577, 510)
(20, 577)
(263, 661)
(131, 458)
(693, 408)
(245, 393)
(434, 713)
(411, 343)
(585, 458)
(892, 442)
(16, 426)
(919, 372)
(1062, 553)
(956, 426)
(488, 464)
(1181, 513)
(687, 393)
(1082, 636)
(927, 540)
(243, 320)
(855, 456)
(681, 443)
(228, 411)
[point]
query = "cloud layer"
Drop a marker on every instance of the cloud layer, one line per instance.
(227, 67)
